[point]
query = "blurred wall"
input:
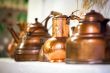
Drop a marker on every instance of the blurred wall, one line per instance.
(12, 12)
(42, 8)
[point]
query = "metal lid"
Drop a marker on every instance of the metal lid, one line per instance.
(93, 16)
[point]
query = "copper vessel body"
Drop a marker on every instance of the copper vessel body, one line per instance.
(85, 50)
(54, 49)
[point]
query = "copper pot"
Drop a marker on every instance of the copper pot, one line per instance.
(87, 44)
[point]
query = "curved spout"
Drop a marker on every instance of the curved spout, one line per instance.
(73, 17)
(14, 35)
(22, 26)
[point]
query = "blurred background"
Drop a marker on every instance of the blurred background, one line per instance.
(14, 12)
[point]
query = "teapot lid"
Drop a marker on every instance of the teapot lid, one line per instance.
(94, 16)
(36, 24)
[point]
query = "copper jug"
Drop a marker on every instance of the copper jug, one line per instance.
(54, 49)
(30, 45)
(87, 44)
(107, 36)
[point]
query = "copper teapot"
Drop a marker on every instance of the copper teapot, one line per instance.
(87, 44)
(30, 44)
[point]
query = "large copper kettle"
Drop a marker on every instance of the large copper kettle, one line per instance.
(95, 16)
(87, 44)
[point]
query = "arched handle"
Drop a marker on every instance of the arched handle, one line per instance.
(52, 14)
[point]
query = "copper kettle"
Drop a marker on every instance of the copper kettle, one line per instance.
(13, 44)
(87, 44)
(94, 16)
(30, 44)
(16, 38)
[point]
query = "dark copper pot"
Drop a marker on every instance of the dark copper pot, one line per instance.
(30, 45)
(87, 44)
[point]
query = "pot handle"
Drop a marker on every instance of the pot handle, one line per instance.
(52, 14)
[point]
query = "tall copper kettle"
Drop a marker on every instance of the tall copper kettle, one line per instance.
(30, 45)
(93, 16)
(88, 44)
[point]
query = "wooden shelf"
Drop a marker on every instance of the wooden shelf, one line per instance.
(10, 66)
